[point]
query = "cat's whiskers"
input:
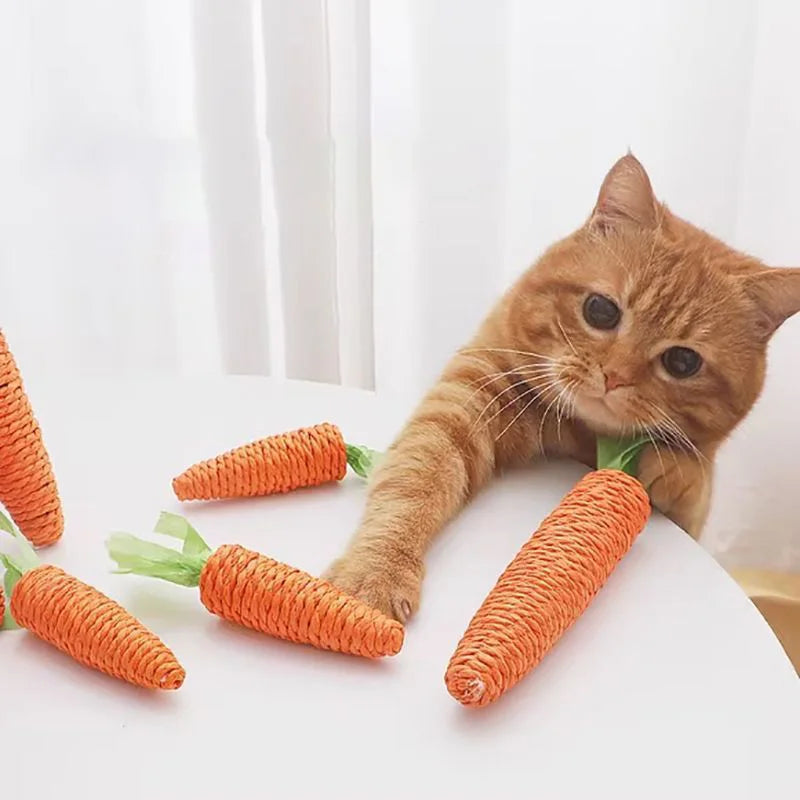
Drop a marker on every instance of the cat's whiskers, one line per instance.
(562, 411)
(673, 446)
(528, 377)
(507, 350)
(527, 370)
(537, 391)
(645, 430)
(546, 411)
(566, 338)
(558, 412)
(682, 437)
(538, 360)
(490, 376)
(518, 414)
(574, 399)
(675, 436)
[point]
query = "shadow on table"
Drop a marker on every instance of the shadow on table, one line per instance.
(231, 635)
(167, 613)
(176, 611)
(486, 721)
(83, 680)
(234, 504)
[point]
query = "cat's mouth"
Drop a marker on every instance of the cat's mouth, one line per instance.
(604, 413)
(610, 413)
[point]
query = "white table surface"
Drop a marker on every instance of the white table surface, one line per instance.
(670, 685)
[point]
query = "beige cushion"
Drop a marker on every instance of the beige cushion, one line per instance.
(777, 597)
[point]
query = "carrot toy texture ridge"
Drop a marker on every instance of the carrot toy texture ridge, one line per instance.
(548, 585)
(96, 631)
(28, 487)
(82, 622)
(260, 593)
(275, 464)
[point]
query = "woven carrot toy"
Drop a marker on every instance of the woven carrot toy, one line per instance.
(276, 464)
(552, 579)
(28, 487)
(256, 591)
(81, 621)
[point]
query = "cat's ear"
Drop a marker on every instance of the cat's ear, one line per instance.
(626, 196)
(776, 292)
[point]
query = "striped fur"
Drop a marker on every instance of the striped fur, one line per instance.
(530, 382)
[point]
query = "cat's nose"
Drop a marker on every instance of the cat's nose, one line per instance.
(614, 380)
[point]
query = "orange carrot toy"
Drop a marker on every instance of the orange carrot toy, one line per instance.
(275, 464)
(27, 486)
(552, 579)
(258, 592)
(82, 622)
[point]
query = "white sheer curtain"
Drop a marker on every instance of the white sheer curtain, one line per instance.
(185, 186)
(337, 190)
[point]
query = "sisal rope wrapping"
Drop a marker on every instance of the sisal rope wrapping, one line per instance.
(265, 595)
(273, 465)
(548, 585)
(93, 629)
(27, 485)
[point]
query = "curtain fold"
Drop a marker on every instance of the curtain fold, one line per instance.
(351, 139)
(228, 139)
(295, 42)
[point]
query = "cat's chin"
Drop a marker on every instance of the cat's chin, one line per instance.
(598, 417)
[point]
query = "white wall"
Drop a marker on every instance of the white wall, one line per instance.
(589, 80)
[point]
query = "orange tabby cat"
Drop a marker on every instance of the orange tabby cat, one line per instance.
(636, 322)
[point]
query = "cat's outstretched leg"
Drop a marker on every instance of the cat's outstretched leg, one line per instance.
(434, 466)
(446, 452)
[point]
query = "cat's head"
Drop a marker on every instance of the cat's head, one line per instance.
(650, 321)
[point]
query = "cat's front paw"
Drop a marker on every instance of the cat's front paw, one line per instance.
(679, 486)
(390, 584)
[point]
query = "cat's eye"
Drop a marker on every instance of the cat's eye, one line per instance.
(681, 362)
(601, 312)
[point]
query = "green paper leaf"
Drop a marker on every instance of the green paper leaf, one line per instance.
(16, 566)
(178, 527)
(362, 460)
(8, 623)
(27, 558)
(12, 575)
(5, 524)
(140, 557)
(620, 453)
